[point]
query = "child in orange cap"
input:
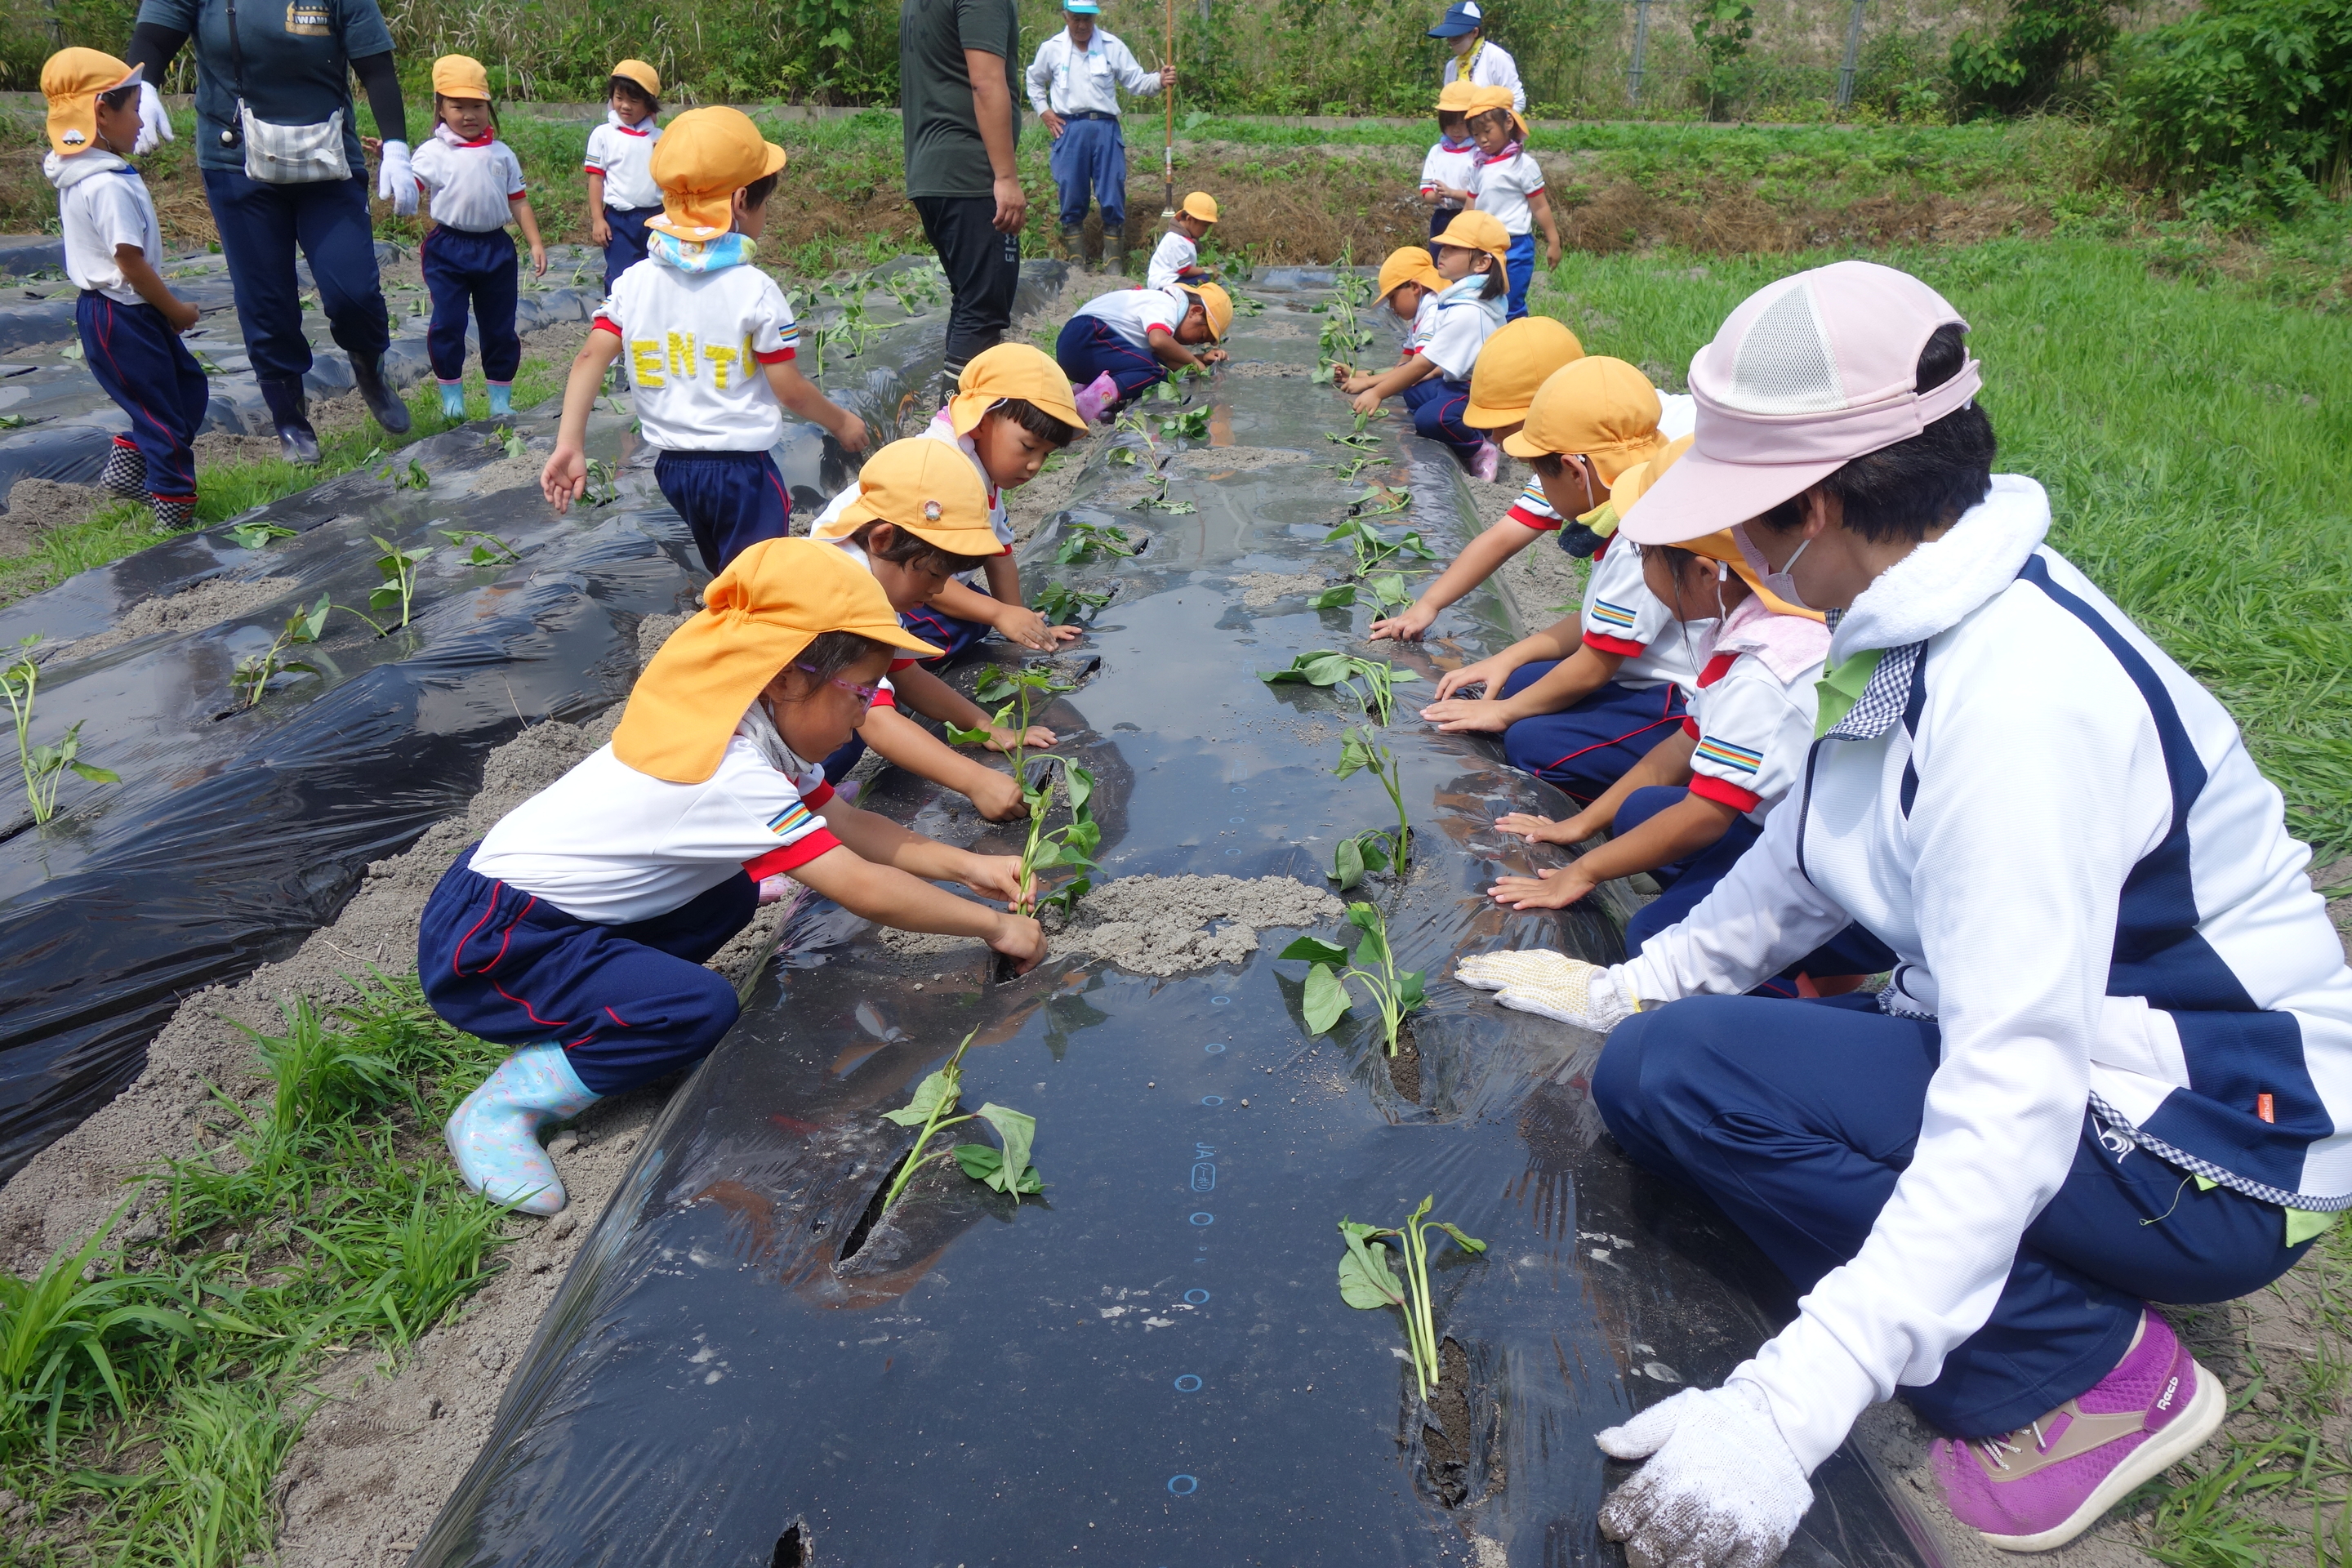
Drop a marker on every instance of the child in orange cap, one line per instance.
(576, 930)
(622, 194)
(1588, 422)
(474, 183)
(1011, 411)
(915, 555)
(1445, 170)
(130, 321)
(1123, 343)
(1435, 383)
(1509, 183)
(1177, 260)
(710, 342)
(1410, 284)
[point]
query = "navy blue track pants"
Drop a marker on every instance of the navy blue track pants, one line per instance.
(142, 364)
(466, 270)
(730, 500)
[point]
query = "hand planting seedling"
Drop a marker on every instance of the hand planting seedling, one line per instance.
(1398, 994)
(1072, 844)
(1083, 541)
(398, 568)
(1062, 605)
(1006, 1170)
(255, 673)
(255, 535)
(43, 768)
(489, 550)
(1368, 1281)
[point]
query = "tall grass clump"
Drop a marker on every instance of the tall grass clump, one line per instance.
(150, 1390)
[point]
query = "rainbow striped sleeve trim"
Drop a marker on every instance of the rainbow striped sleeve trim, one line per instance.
(1745, 759)
(1533, 498)
(1610, 615)
(793, 820)
(792, 334)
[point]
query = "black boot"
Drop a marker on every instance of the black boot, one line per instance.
(291, 412)
(390, 410)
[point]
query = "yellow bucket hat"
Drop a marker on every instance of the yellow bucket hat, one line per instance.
(1640, 480)
(1483, 99)
(460, 76)
(71, 80)
(1473, 231)
(771, 601)
(1598, 407)
(1219, 303)
(701, 161)
(1012, 370)
(1409, 264)
(644, 75)
(1517, 361)
(1453, 98)
(1202, 206)
(929, 487)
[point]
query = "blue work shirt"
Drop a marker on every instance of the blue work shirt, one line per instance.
(298, 64)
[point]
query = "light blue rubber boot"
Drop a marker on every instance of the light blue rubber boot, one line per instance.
(453, 400)
(494, 1136)
(502, 399)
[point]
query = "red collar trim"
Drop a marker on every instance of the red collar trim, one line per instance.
(485, 138)
(631, 131)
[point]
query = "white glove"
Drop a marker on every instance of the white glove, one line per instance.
(155, 124)
(395, 182)
(1723, 1489)
(1551, 984)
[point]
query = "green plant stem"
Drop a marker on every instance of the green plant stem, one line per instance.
(932, 1123)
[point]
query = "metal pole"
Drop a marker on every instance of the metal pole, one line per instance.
(1853, 51)
(1640, 44)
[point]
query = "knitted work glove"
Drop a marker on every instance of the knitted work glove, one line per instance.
(1551, 984)
(1722, 1488)
(396, 179)
(154, 124)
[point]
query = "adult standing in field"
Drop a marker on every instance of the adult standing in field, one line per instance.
(1074, 85)
(278, 144)
(956, 96)
(1477, 60)
(2111, 1065)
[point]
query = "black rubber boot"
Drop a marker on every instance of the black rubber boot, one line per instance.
(1115, 253)
(1073, 243)
(386, 404)
(291, 412)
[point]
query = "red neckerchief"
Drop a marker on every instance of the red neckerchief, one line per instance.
(1510, 151)
(485, 138)
(632, 130)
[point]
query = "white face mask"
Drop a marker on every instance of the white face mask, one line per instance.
(1781, 584)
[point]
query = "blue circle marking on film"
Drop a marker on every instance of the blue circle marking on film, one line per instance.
(1183, 1485)
(1187, 1384)
(1232, 852)
(1201, 1216)
(1238, 819)
(1212, 1099)
(1221, 1001)
(1213, 1046)
(1197, 1298)
(1240, 789)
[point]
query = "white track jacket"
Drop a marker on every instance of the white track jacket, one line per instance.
(2092, 891)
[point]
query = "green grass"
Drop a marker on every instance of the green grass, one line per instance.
(2196, 442)
(152, 1404)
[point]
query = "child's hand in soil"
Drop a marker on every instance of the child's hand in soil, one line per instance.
(1213, 356)
(1031, 630)
(1554, 889)
(1469, 716)
(850, 432)
(1545, 830)
(1483, 672)
(1000, 799)
(1022, 939)
(1009, 741)
(1405, 627)
(1367, 402)
(994, 876)
(565, 478)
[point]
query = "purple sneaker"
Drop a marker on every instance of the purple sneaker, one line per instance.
(2043, 1485)
(1488, 463)
(1095, 397)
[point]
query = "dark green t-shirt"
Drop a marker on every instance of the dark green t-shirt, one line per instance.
(945, 156)
(298, 64)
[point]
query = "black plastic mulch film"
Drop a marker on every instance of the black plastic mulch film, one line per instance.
(234, 832)
(1152, 1366)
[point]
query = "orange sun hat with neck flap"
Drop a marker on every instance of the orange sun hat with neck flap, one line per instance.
(460, 76)
(1455, 97)
(1640, 480)
(1012, 370)
(929, 487)
(1483, 99)
(1410, 264)
(757, 616)
(71, 80)
(1598, 407)
(700, 162)
(1517, 359)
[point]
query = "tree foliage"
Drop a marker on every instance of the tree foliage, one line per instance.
(2038, 44)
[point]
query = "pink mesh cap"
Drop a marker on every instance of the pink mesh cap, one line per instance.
(1807, 375)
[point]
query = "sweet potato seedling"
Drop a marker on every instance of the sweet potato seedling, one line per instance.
(1061, 603)
(398, 569)
(1006, 1170)
(507, 441)
(256, 535)
(1073, 844)
(1396, 993)
(255, 673)
(1368, 1281)
(1357, 439)
(1374, 549)
(43, 768)
(1084, 541)
(488, 550)
(1372, 683)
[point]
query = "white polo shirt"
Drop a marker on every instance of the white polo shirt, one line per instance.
(1501, 186)
(611, 845)
(468, 183)
(623, 154)
(1448, 166)
(1463, 321)
(1175, 256)
(1133, 312)
(1753, 730)
(1624, 618)
(103, 203)
(693, 344)
(1424, 322)
(1491, 65)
